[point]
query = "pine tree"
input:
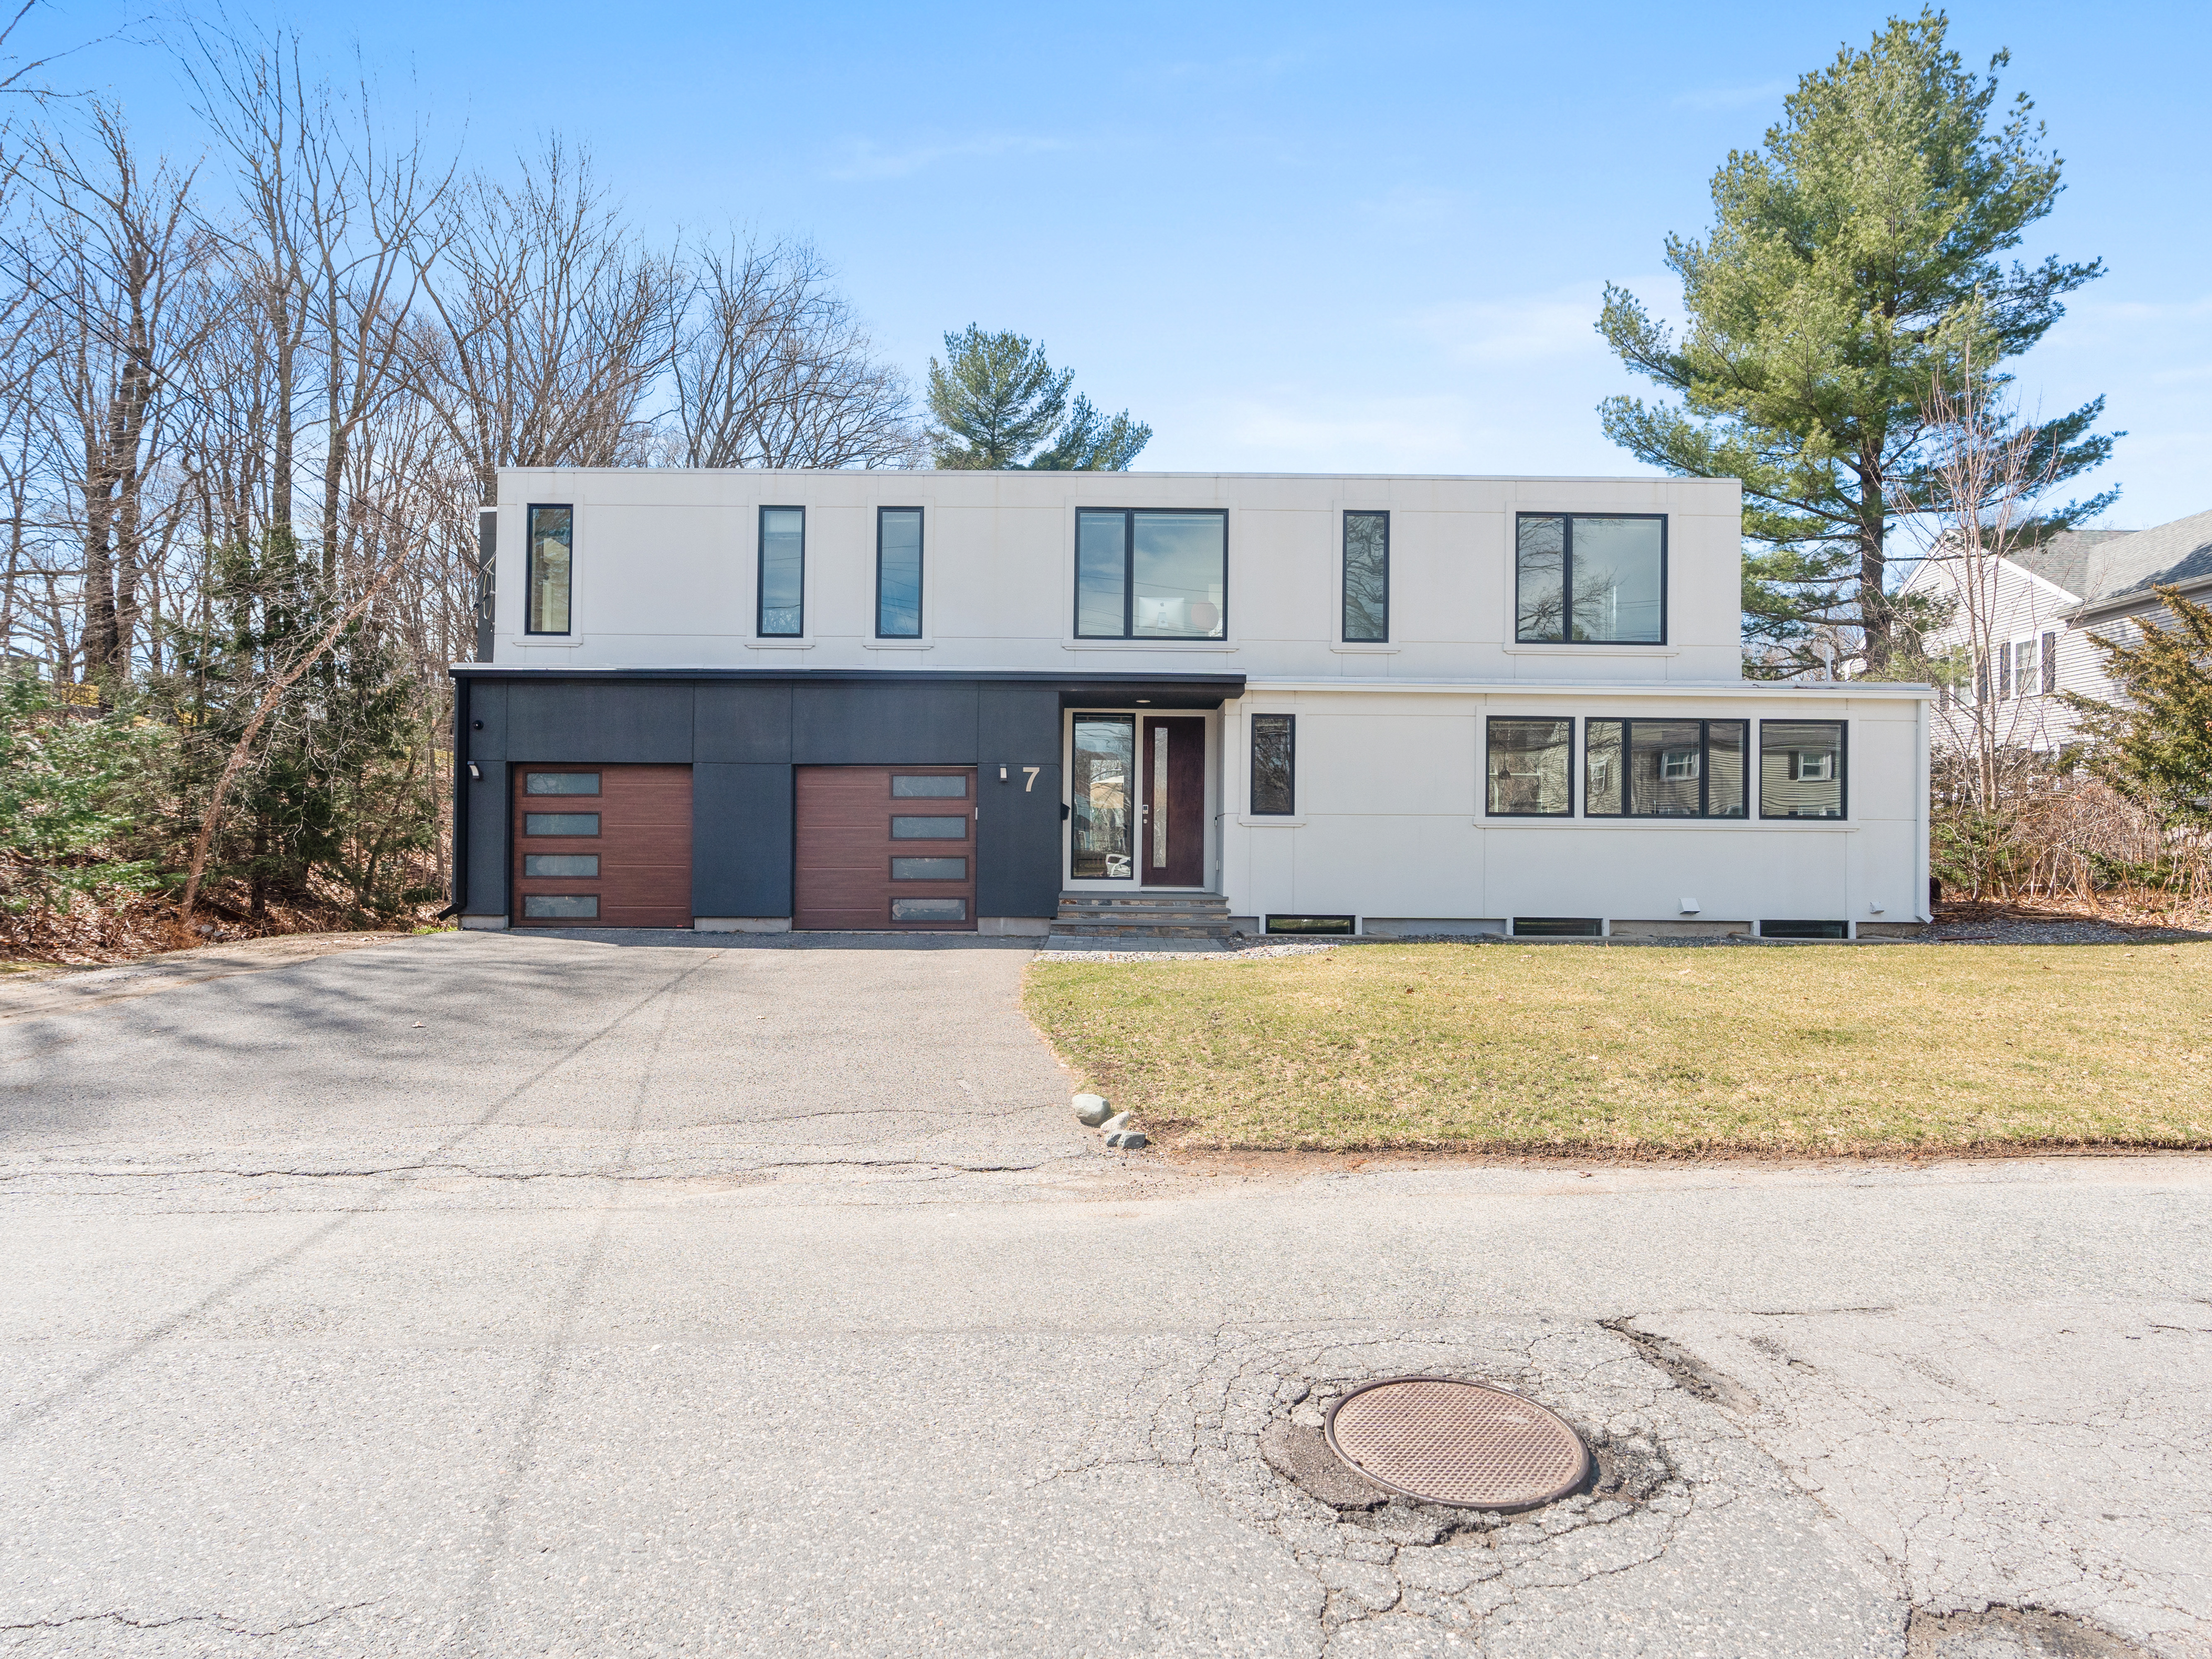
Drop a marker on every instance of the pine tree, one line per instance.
(1853, 262)
(997, 403)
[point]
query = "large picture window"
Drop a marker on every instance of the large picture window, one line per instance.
(1275, 765)
(1531, 768)
(1801, 769)
(1144, 574)
(898, 573)
(782, 572)
(1664, 769)
(1366, 578)
(550, 546)
(1590, 580)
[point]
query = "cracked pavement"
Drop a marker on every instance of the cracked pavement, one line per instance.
(687, 1296)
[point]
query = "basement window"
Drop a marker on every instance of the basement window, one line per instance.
(1558, 927)
(1803, 930)
(1338, 925)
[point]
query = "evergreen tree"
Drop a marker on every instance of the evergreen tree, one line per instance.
(997, 403)
(2157, 750)
(1853, 263)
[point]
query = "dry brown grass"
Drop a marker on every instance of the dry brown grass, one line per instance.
(1505, 1047)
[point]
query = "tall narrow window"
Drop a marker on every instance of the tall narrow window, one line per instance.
(1366, 577)
(2004, 672)
(1664, 769)
(2049, 664)
(1531, 768)
(1801, 769)
(898, 573)
(1590, 580)
(782, 572)
(2025, 678)
(1144, 574)
(552, 531)
(1100, 785)
(1275, 765)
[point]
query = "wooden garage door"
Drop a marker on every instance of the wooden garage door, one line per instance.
(885, 849)
(602, 845)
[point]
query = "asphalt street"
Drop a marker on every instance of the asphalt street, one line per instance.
(492, 1294)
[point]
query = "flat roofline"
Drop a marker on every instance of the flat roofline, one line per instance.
(1024, 472)
(1013, 676)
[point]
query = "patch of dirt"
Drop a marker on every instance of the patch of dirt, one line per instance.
(2012, 1633)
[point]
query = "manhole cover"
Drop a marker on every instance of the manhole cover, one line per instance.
(1461, 1444)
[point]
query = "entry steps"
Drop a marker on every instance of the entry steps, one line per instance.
(1134, 918)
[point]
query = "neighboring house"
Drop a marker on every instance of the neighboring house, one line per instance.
(2042, 606)
(1016, 701)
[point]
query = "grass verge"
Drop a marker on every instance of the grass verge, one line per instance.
(1500, 1048)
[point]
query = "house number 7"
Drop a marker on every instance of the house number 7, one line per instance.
(1030, 772)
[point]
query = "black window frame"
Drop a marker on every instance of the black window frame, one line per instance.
(529, 512)
(1704, 814)
(1344, 578)
(1574, 767)
(920, 565)
(760, 571)
(1567, 579)
(1843, 776)
(1252, 807)
(1129, 576)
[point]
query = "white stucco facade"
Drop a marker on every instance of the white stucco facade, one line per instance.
(1391, 824)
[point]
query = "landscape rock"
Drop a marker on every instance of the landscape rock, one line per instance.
(1091, 1110)
(1119, 1121)
(1127, 1140)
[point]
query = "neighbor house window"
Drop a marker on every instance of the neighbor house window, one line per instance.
(898, 573)
(1801, 769)
(1664, 769)
(1150, 575)
(782, 572)
(1591, 581)
(1366, 578)
(552, 537)
(1275, 765)
(1531, 768)
(2050, 662)
(2025, 678)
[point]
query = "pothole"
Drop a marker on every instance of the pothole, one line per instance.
(2012, 1633)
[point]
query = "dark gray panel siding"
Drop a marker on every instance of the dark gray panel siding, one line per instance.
(488, 703)
(741, 839)
(1018, 840)
(487, 837)
(737, 722)
(1017, 720)
(883, 724)
(606, 721)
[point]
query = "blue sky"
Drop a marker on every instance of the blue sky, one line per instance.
(1295, 238)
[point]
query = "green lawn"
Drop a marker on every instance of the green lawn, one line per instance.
(1507, 1048)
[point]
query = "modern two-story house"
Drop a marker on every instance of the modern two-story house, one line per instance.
(981, 700)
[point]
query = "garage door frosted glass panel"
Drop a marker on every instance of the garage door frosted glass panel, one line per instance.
(545, 906)
(561, 823)
(557, 865)
(929, 869)
(929, 909)
(561, 783)
(908, 786)
(929, 829)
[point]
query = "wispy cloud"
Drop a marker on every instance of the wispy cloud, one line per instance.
(865, 159)
(1415, 208)
(1521, 329)
(1732, 97)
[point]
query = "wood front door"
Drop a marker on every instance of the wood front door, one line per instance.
(885, 848)
(1171, 839)
(602, 845)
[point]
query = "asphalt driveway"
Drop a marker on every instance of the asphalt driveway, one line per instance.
(497, 1295)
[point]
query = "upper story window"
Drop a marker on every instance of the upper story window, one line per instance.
(1801, 769)
(782, 572)
(898, 573)
(1592, 580)
(1145, 574)
(1663, 769)
(1366, 578)
(550, 546)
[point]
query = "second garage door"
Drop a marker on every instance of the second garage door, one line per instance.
(602, 845)
(885, 849)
